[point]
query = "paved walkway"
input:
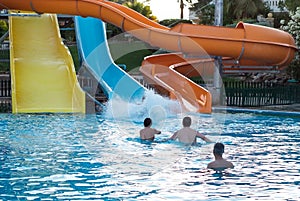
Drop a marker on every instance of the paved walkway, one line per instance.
(290, 108)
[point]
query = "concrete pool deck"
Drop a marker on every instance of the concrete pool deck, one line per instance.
(287, 108)
(292, 110)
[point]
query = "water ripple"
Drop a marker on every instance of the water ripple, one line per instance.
(89, 157)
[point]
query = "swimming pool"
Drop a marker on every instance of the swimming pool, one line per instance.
(93, 157)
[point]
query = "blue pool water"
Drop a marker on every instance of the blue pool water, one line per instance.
(96, 157)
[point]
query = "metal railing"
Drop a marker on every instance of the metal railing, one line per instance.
(250, 94)
(240, 94)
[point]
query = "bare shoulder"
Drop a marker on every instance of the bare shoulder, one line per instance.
(143, 130)
(220, 164)
(230, 164)
(211, 164)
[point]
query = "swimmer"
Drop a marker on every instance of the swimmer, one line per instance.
(219, 163)
(148, 133)
(188, 135)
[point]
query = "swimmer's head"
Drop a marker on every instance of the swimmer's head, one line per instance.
(147, 122)
(186, 121)
(218, 148)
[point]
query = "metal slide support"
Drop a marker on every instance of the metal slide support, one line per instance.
(218, 60)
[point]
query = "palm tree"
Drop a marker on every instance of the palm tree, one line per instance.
(141, 8)
(204, 10)
(182, 7)
(241, 9)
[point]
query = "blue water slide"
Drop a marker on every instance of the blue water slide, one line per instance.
(94, 52)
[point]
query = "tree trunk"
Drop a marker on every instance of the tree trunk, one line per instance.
(181, 9)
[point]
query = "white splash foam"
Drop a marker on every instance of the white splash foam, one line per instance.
(153, 105)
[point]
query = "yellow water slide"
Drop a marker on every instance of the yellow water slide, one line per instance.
(42, 70)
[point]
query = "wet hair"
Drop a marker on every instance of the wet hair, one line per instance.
(186, 121)
(219, 148)
(147, 122)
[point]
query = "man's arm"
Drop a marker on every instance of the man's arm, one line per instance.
(157, 131)
(203, 137)
(230, 164)
(174, 136)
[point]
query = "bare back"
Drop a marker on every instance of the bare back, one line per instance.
(185, 135)
(148, 133)
(220, 164)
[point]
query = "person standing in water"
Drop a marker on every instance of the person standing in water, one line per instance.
(219, 163)
(148, 133)
(188, 135)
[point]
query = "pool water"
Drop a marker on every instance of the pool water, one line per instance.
(96, 157)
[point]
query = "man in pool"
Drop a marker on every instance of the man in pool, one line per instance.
(188, 135)
(148, 133)
(219, 163)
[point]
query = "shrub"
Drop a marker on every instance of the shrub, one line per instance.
(293, 27)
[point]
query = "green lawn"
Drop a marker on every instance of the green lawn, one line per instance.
(74, 53)
(129, 53)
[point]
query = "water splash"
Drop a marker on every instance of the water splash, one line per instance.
(153, 105)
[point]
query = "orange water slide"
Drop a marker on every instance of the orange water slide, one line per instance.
(169, 74)
(245, 45)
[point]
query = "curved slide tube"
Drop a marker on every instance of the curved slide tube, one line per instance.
(42, 70)
(170, 72)
(247, 44)
(94, 51)
(162, 70)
